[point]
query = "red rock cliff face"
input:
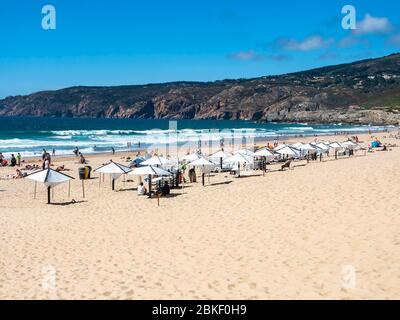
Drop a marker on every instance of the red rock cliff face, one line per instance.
(362, 92)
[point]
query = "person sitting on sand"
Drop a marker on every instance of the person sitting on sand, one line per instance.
(141, 190)
(61, 168)
(19, 174)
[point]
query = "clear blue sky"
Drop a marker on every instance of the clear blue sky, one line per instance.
(134, 42)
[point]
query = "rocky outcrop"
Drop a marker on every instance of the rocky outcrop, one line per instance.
(362, 92)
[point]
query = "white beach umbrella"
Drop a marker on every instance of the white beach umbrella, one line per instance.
(205, 165)
(288, 151)
(50, 178)
(114, 169)
(238, 159)
(265, 152)
(202, 162)
(297, 145)
(246, 152)
(335, 146)
(149, 170)
(220, 154)
(307, 148)
(281, 146)
(190, 157)
(156, 161)
(322, 146)
(350, 145)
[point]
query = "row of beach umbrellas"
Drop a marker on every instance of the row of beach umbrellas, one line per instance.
(154, 166)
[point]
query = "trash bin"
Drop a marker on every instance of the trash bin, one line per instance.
(89, 170)
(82, 173)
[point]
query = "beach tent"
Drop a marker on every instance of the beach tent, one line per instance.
(246, 152)
(115, 170)
(156, 161)
(150, 171)
(205, 165)
(288, 151)
(191, 157)
(238, 159)
(219, 156)
(50, 178)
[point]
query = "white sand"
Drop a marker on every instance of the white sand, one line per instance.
(286, 235)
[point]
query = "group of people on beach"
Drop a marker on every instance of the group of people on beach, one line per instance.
(14, 160)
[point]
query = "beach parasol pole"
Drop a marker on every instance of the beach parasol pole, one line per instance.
(69, 189)
(48, 195)
(83, 188)
(149, 185)
(34, 191)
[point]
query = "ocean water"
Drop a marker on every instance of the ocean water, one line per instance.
(29, 135)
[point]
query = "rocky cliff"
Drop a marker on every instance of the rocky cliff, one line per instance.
(361, 92)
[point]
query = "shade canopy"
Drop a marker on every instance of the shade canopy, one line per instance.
(350, 145)
(239, 158)
(220, 154)
(150, 170)
(308, 148)
(288, 151)
(201, 162)
(297, 145)
(156, 161)
(190, 157)
(115, 169)
(49, 177)
(281, 146)
(336, 145)
(322, 146)
(246, 152)
(266, 153)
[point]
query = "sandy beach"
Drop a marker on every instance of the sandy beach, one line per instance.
(324, 230)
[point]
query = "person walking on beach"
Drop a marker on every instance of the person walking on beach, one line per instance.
(54, 152)
(113, 150)
(18, 159)
(76, 151)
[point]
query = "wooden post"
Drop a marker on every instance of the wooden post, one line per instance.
(203, 179)
(83, 188)
(34, 191)
(112, 183)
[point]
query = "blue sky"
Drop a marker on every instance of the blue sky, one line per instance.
(134, 42)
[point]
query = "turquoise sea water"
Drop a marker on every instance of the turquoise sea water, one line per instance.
(29, 135)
